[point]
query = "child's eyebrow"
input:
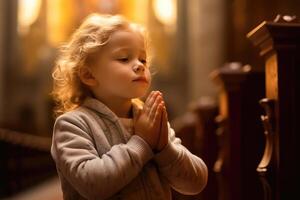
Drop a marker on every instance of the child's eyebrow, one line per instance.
(121, 49)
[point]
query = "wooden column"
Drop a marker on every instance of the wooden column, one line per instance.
(279, 43)
(239, 132)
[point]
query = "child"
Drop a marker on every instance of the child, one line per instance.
(107, 144)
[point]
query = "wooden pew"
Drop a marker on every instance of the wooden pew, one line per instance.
(279, 44)
(25, 161)
(239, 132)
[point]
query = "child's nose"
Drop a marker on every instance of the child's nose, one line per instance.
(138, 67)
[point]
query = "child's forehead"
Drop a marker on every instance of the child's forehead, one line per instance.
(126, 37)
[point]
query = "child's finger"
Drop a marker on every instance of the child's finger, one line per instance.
(158, 115)
(164, 120)
(147, 105)
(163, 139)
(156, 120)
(150, 100)
(151, 97)
(157, 123)
(154, 107)
(165, 113)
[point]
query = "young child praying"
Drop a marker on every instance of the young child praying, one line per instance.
(108, 143)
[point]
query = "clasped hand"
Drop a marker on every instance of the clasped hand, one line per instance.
(151, 123)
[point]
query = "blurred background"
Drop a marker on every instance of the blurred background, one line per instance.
(190, 39)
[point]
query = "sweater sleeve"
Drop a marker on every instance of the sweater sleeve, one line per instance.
(185, 172)
(95, 176)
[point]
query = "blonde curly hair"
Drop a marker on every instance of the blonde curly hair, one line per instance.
(95, 31)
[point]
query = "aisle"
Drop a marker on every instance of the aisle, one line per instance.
(48, 190)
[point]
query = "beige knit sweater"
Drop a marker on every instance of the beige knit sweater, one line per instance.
(97, 158)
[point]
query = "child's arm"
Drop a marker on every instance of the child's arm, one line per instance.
(95, 176)
(185, 172)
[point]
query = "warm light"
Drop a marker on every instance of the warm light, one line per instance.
(165, 11)
(135, 10)
(28, 12)
(61, 20)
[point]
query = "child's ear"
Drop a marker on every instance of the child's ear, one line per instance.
(87, 77)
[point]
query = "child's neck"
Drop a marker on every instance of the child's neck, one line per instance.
(122, 109)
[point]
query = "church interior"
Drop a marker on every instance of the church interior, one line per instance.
(228, 70)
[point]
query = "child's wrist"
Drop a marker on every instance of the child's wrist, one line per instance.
(159, 149)
(156, 150)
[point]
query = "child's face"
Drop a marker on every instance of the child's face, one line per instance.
(120, 69)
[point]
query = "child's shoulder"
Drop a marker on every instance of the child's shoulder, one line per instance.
(80, 117)
(79, 114)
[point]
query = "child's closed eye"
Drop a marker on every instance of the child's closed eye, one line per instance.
(144, 61)
(123, 59)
